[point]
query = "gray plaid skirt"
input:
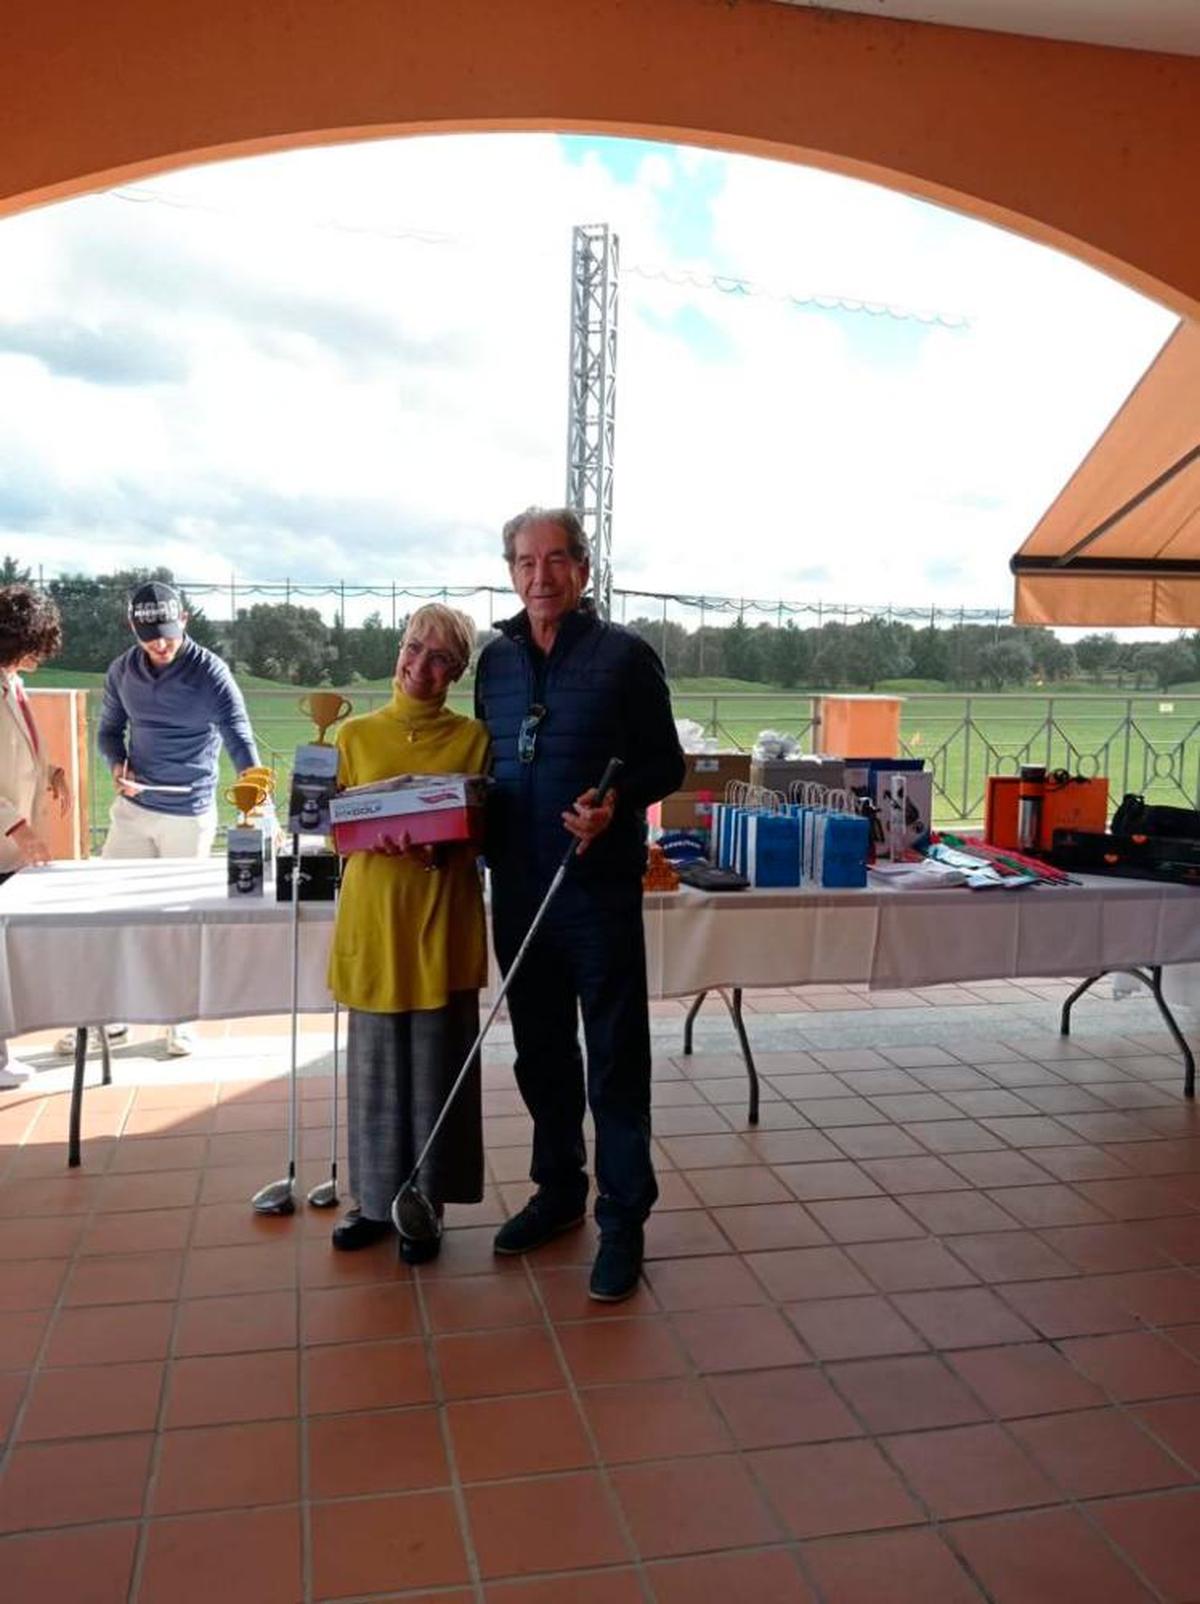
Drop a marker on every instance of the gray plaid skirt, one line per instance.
(399, 1071)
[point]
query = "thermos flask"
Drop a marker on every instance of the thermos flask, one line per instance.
(1030, 794)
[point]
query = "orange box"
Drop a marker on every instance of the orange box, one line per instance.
(859, 726)
(1000, 811)
(1077, 805)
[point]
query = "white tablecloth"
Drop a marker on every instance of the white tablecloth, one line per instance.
(161, 940)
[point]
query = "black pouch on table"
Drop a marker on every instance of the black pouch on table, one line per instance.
(707, 877)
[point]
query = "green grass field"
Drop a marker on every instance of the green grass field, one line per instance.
(1144, 741)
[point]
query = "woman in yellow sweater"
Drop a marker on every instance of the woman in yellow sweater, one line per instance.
(410, 951)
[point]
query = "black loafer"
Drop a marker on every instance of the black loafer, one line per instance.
(618, 1265)
(543, 1217)
(356, 1231)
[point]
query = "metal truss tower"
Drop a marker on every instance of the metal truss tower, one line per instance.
(592, 405)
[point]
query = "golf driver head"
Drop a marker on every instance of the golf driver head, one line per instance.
(414, 1216)
(324, 1195)
(279, 1197)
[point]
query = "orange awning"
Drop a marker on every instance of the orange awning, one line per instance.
(1121, 545)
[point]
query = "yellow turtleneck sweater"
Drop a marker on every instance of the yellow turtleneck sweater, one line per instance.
(405, 938)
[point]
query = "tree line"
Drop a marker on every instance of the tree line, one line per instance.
(964, 656)
(295, 646)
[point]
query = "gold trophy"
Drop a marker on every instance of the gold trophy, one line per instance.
(325, 708)
(315, 767)
(261, 775)
(246, 795)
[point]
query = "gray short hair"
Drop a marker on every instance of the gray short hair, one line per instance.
(455, 628)
(567, 520)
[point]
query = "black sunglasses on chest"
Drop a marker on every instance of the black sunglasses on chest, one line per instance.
(527, 733)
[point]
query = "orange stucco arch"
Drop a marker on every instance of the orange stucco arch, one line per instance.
(1090, 149)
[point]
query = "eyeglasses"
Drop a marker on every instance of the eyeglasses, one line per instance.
(440, 662)
(527, 733)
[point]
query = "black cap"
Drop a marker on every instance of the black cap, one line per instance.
(156, 612)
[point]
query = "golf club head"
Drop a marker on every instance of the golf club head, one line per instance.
(279, 1197)
(324, 1195)
(414, 1216)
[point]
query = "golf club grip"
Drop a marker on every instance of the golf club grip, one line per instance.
(607, 779)
(611, 769)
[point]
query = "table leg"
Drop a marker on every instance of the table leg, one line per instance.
(76, 1115)
(735, 1012)
(105, 1057)
(690, 1021)
(1064, 1023)
(1153, 981)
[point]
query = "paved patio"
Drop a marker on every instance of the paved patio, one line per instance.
(931, 1333)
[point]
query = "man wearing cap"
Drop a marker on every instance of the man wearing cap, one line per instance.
(168, 705)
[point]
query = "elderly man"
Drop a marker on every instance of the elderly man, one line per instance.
(561, 692)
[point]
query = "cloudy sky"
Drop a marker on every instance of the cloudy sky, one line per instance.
(351, 364)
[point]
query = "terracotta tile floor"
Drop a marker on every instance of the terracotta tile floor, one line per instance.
(930, 1334)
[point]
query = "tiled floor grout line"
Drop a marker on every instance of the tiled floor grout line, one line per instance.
(573, 1390)
(302, 1439)
(441, 1403)
(8, 1451)
(137, 1569)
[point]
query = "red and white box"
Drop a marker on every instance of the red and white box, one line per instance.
(429, 807)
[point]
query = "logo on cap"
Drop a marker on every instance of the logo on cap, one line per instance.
(155, 610)
(159, 611)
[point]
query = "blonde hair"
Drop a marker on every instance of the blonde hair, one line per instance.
(455, 628)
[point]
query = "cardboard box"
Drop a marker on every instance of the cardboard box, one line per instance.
(684, 810)
(713, 771)
(781, 773)
(428, 807)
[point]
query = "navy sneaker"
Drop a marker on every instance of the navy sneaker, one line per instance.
(545, 1216)
(618, 1265)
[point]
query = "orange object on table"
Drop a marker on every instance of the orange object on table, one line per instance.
(1069, 802)
(660, 873)
(1077, 804)
(1000, 811)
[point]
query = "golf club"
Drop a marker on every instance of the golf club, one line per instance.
(413, 1215)
(279, 1197)
(325, 1194)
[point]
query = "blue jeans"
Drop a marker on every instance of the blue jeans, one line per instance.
(589, 957)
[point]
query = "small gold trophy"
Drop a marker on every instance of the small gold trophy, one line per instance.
(246, 795)
(262, 776)
(315, 767)
(325, 708)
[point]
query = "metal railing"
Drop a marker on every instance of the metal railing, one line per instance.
(1141, 742)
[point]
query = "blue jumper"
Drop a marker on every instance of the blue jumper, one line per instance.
(168, 724)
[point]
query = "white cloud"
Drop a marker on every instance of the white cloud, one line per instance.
(373, 343)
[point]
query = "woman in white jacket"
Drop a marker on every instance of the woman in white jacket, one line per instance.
(30, 631)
